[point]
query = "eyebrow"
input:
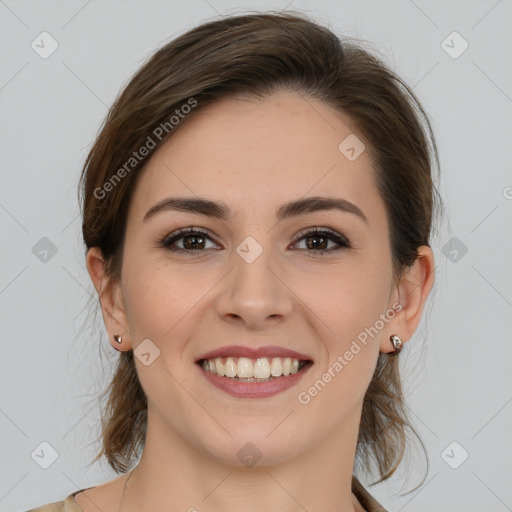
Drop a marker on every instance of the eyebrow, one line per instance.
(221, 211)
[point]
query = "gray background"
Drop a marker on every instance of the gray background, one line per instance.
(458, 380)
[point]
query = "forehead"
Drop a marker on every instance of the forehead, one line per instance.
(256, 154)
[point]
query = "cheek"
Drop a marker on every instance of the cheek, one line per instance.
(351, 304)
(163, 301)
(348, 314)
(348, 297)
(155, 298)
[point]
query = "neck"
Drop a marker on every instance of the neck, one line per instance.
(172, 475)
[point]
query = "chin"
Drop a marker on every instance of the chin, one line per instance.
(254, 446)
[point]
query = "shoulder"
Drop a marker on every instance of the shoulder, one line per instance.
(369, 503)
(68, 504)
(98, 494)
(57, 506)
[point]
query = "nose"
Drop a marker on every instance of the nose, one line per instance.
(255, 292)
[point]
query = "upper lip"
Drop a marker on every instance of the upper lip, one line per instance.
(253, 353)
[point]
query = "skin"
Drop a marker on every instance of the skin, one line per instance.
(254, 155)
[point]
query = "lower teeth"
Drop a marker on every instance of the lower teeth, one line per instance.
(251, 379)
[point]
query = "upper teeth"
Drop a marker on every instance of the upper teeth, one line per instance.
(244, 367)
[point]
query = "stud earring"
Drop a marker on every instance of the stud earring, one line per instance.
(397, 343)
(119, 339)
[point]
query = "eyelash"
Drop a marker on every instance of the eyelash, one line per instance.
(343, 242)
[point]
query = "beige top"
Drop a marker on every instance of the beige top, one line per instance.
(70, 505)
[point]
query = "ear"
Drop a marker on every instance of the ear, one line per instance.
(412, 292)
(111, 299)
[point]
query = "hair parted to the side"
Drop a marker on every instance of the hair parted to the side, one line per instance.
(255, 55)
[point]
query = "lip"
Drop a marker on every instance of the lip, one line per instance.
(253, 353)
(267, 389)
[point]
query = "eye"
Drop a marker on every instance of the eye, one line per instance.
(317, 240)
(193, 241)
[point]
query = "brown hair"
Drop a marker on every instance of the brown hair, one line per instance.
(254, 55)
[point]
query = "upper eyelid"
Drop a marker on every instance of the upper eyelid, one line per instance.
(318, 229)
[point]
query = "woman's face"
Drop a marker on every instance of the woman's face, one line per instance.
(257, 279)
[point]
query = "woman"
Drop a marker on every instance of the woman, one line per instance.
(257, 210)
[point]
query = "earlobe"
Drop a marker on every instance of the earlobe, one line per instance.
(110, 297)
(413, 290)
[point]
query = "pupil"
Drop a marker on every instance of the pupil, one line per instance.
(190, 245)
(316, 245)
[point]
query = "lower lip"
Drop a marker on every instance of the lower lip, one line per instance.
(254, 389)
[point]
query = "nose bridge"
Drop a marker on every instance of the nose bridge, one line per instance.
(254, 290)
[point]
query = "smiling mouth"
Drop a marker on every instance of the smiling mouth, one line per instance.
(262, 369)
